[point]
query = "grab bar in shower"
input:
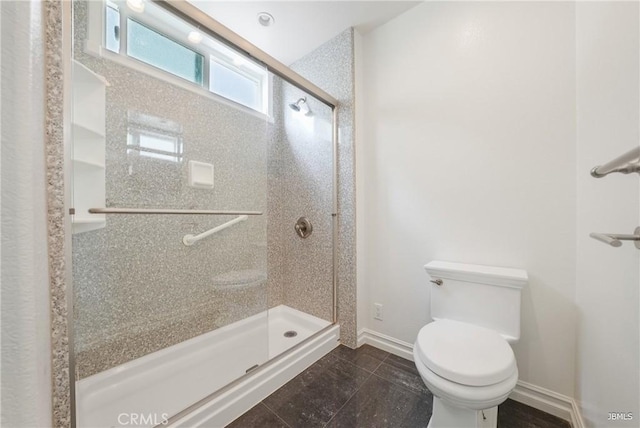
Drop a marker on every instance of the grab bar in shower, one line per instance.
(189, 240)
(615, 239)
(168, 211)
(625, 164)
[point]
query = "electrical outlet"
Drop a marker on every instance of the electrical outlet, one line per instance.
(377, 311)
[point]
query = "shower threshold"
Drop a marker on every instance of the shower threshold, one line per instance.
(154, 388)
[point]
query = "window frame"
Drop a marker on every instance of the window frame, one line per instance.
(214, 50)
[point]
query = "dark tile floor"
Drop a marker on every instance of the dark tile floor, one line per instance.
(367, 388)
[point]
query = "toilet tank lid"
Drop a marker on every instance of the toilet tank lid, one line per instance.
(506, 277)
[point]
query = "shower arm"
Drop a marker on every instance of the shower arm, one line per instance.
(625, 164)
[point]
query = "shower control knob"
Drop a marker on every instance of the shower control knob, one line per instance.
(303, 227)
(437, 282)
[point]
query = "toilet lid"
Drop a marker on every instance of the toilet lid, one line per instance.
(464, 353)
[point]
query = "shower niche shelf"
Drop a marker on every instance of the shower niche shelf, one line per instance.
(88, 132)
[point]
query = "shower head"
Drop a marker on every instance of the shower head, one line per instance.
(295, 106)
(300, 106)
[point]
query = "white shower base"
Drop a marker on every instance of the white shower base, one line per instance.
(146, 391)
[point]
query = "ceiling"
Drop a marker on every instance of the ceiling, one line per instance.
(300, 26)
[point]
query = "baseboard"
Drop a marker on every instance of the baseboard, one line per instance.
(548, 401)
(386, 343)
(236, 400)
(537, 397)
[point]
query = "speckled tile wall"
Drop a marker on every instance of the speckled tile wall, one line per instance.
(52, 12)
(331, 67)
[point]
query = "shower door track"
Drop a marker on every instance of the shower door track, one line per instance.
(214, 28)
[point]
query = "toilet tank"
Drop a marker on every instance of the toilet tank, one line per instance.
(485, 296)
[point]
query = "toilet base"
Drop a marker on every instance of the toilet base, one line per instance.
(446, 415)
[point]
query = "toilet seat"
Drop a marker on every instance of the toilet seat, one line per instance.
(465, 354)
(463, 396)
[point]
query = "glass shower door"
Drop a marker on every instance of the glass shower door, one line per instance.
(170, 306)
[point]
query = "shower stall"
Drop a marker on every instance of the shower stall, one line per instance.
(204, 217)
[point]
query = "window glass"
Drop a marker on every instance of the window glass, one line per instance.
(235, 86)
(112, 33)
(153, 48)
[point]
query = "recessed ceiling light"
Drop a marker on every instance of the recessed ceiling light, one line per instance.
(195, 37)
(136, 5)
(266, 19)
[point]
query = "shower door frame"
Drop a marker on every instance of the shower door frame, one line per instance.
(207, 24)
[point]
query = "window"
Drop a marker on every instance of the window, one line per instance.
(155, 49)
(160, 39)
(233, 85)
(112, 27)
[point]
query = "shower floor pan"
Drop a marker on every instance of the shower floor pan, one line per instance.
(152, 389)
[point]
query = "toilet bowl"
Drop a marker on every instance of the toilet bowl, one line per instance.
(464, 355)
(469, 370)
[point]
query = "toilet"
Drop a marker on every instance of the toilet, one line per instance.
(464, 355)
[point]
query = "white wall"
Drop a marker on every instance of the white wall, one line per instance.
(608, 357)
(469, 156)
(25, 313)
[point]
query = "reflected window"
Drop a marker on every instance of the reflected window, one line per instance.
(153, 137)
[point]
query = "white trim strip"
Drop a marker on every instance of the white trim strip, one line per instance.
(537, 397)
(386, 343)
(548, 401)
